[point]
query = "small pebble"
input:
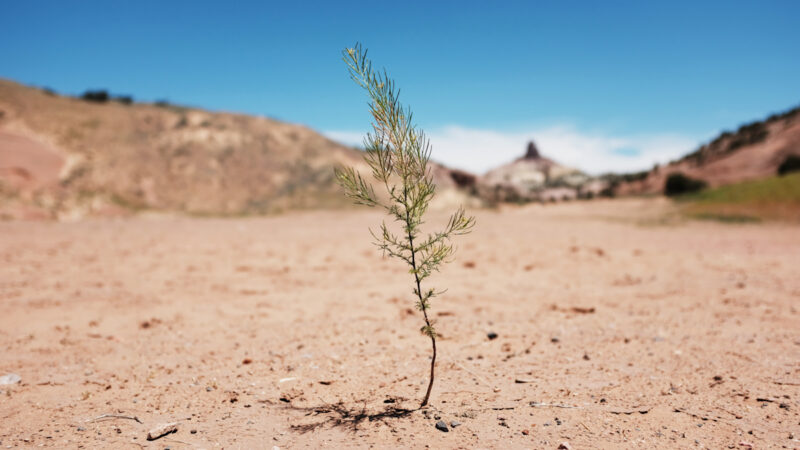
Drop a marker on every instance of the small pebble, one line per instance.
(455, 423)
(555, 340)
(492, 335)
(441, 426)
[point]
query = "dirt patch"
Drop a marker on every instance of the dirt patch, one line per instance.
(26, 164)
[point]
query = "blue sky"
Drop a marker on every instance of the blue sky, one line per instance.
(609, 85)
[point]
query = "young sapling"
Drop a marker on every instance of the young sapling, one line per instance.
(398, 154)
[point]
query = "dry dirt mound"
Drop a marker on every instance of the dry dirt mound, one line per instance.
(113, 156)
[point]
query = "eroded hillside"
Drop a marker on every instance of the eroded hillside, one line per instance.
(65, 157)
(753, 151)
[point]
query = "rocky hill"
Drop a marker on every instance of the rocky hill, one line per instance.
(65, 157)
(753, 151)
(532, 177)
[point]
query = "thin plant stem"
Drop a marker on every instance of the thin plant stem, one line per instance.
(424, 314)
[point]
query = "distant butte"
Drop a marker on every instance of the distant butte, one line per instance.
(532, 152)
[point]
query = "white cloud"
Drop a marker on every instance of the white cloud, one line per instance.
(478, 150)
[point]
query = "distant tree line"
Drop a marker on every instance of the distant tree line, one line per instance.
(103, 96)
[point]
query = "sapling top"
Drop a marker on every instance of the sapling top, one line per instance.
(398, 154)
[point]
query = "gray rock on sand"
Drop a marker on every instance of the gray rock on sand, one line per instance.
(10, 378)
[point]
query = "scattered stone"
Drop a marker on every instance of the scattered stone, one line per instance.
(437, 417)
(149, 323)
(441, 426)
(525, 432)
(492, 335)
(558, 421)
(161, 430)
(586, 357)
(81, 429)
(455, 423)
(745, 444)
(209, 389)
(193, 431)
(523, 381)
(10, 378)
(555, 340)
(784, 406)
(247, 361)
(565, 446)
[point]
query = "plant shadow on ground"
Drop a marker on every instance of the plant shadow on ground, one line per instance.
(340, 415)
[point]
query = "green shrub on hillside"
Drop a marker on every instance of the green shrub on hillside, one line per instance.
(98, 96)
(789, 165)
(678, 183)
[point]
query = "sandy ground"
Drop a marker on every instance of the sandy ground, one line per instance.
(291, 331)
